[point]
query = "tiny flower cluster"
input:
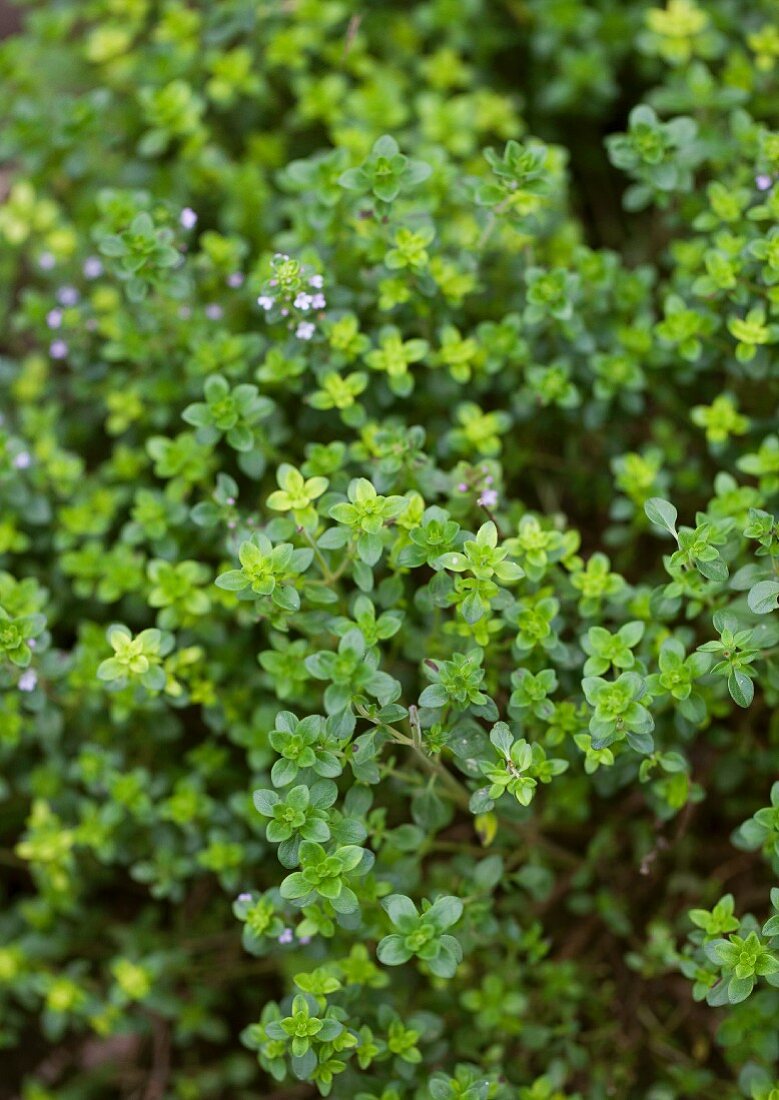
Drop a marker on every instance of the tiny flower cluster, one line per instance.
(291, 291)
(480, 481)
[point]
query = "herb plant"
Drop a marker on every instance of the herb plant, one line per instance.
(389, 554)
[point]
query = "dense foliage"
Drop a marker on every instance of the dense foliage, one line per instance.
(389, 558)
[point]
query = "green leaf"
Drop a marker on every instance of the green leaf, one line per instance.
(444, 912)
(401, 911)
(433, 696)
(764, 597)
(286, 597)
(502, 738)
(445, 963)
(233, 581)
(714, 569)
(662, 513)
(295, 886)
(739, 989)
(741, 688)
(265, 800)
(392, 950)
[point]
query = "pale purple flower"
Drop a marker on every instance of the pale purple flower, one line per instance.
(318, 301)
(244, 897)
(22, 461)
(185, 313)
(763, 182)
(489, 498)
(93, 267)
(285, 312)
(266, 302)
(462, 487)
(286, 936)
(305, 940)
(213, 311)
(303, 301)
(235, 279)
(67, 296)
(231, 500)
(316, 281)
(305, 330)
(28, 680)
(54, 318)
(58, 349)
(188, 218)
(46, 261)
